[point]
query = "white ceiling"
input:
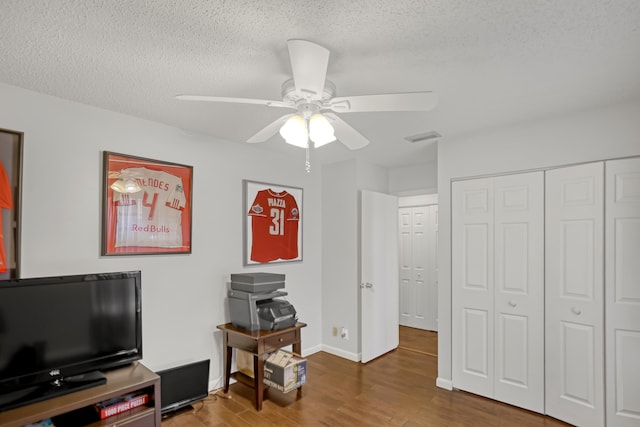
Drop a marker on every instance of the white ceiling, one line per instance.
(492, 63)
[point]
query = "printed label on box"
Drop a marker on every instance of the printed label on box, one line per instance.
(125, 403)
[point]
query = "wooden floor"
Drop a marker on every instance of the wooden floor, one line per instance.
(397, 389)
(425, 342)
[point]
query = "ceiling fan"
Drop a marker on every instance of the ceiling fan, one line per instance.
(314, 100)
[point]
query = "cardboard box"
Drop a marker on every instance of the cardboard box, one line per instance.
(285, 371)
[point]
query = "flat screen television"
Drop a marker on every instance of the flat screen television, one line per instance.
(181, 386)
(58, 333)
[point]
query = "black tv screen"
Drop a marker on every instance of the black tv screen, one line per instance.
(54, 329)
(183, 385)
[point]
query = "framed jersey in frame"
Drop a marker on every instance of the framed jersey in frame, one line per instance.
(272, 223)
(146, 206)
(10, 196)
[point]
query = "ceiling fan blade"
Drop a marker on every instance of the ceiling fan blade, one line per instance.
(410, 101)
(350, 137)
(309, 63)
(206, 98)
(270, 130)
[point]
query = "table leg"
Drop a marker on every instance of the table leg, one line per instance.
(228, 352)
(297, 349)
(258, 384)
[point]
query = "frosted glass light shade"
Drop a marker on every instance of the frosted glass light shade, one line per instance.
(295, 132)
(320, 130)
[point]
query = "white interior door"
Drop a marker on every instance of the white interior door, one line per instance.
(472, 286)
(622, 284)
(407, 285)
(379, 274)
(418, 277)
(574, 351)
(431, 307)
(519, 290)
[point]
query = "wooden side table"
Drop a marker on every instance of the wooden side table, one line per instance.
(259, 343)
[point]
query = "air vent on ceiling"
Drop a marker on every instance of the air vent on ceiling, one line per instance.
(422, 137)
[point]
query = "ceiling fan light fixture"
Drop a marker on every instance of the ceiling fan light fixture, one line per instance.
(295, 132)
(309, 92)
(320, 130)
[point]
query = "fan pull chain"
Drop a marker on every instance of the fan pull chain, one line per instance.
(307, 163)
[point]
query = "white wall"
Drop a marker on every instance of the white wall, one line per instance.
(422, 200)
(588, 136)
(340, 257)
(341, 183)
(184, 296)
(414, 179)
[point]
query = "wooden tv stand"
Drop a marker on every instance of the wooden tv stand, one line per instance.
(120, 381)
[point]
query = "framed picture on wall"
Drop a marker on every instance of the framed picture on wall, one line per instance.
(10, 193)
(146, 206)
(272, 223)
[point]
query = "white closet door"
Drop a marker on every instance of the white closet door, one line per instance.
(406, 266)
(519, 290)
(472, 286)
(574, 390)
(431, 246)
(622, 307)
(413, 270)
(418, 294)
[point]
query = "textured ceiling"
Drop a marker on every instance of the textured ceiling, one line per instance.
(492, 63)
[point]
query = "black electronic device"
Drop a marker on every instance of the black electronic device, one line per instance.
(183, 385)
(58, 333)
(255, 302)
(275, 314)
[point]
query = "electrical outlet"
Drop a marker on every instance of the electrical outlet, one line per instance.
(335, 331)
(344, 333)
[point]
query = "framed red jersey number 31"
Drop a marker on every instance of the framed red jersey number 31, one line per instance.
(272, 224)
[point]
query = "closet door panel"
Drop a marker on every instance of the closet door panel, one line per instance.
(432, 268)
(420, 261)
(622, 295)
(406, 267)
(574, 369)
(416, 289)
(519, 290)
(472, 286)
(475, 340)
(577, 362)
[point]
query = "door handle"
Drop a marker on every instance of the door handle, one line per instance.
(512, 304)
(366, 285)
(576, 311)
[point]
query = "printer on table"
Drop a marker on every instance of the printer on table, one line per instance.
(256, 303)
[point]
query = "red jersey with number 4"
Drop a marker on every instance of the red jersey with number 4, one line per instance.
(274, 226)
(6, 202)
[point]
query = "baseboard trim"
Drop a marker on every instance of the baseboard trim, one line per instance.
(309, 351)
(341, 353)
(445, 384)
